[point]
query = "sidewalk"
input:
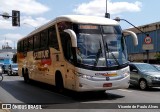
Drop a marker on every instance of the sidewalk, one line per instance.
(4, 110)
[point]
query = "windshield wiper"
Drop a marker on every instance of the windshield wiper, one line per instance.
(112, 55)
(98, 54)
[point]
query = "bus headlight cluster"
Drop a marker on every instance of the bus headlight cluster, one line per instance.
(86, 76)
(83, 76)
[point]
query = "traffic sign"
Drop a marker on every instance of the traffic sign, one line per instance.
(148, 47)
(148, 40)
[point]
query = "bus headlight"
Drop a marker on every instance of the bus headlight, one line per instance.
(84, 76)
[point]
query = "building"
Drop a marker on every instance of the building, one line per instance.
(148, 49)
(6, 54)
(7, 48)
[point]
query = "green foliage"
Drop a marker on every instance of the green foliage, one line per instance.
(157, 56)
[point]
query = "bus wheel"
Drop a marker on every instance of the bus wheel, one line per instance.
(59, 83)
(26, 76)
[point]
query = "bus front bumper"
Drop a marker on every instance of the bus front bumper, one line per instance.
(90, 85)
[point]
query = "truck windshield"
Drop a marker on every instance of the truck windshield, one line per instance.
(100, 46)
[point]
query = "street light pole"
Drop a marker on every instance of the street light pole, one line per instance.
(147, 35)
(107, 15)
(118, 19)
(30, 25)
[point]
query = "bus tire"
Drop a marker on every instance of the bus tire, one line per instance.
(59, 83)
(26, 76)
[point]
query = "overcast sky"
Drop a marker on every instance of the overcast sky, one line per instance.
(35, 13)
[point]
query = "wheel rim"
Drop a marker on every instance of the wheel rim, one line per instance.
(143, 85)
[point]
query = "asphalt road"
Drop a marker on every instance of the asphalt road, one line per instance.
(14, 90)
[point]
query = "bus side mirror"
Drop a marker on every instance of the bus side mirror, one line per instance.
(73, 37)
(14, 59)
(134, 36)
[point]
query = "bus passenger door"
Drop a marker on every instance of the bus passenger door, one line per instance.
(70, 81)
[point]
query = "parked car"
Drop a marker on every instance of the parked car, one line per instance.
(13, 69)
(1, 64)
(157, 66)
(5, 68)
(144, 75)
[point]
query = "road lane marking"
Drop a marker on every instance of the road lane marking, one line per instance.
(125, 90)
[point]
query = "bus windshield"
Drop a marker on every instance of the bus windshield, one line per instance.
(100, 46)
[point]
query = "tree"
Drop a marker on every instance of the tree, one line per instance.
(157, 56)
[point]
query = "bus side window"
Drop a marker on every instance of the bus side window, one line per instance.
(20, 46)
(44, 39)
(25, 44)
(53, 41)
(30, 43)
(36, 42)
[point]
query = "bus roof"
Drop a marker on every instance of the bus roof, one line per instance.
(77, 19)
(86, 19)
